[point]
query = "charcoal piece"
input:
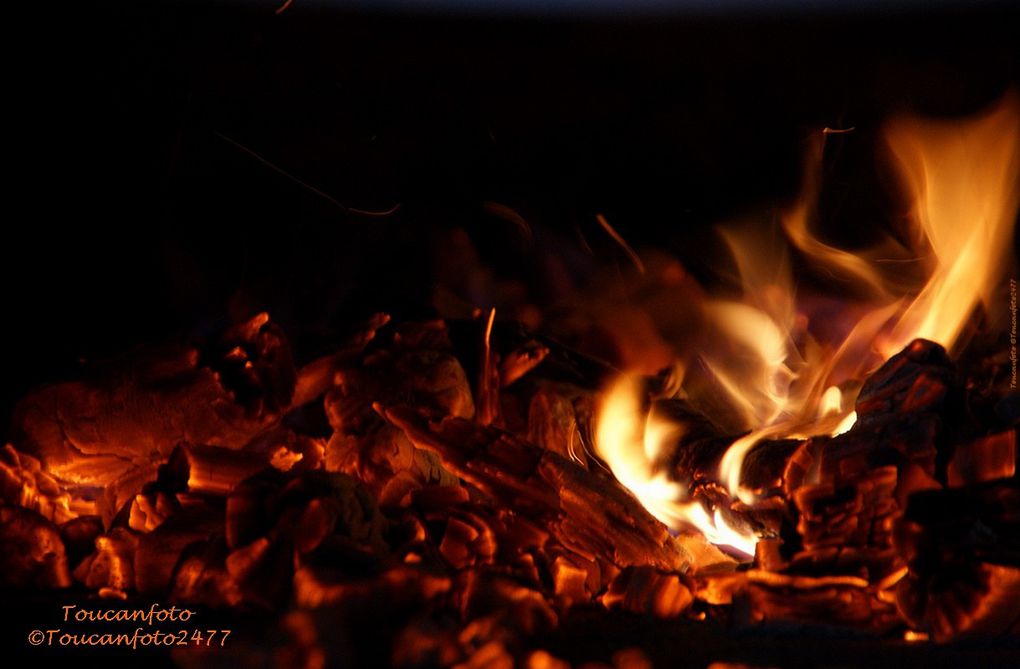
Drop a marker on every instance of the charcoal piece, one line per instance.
(209, 470)
(558, 416)
(112, 565)
(397, 589)
(985, 459)
(251, 508)
(570, 582)
(845, 600)
(129, 414)
(202, 577)
(277, 505)
(469, 538)
(415, 365)
(647, 591)
(484, 592)
(31, 550)
(159, 551)
(520, 361)
(286, 450)
(587, 511)
(962, 547)
(275, 521)
(263, 571)
(79, 537)
(919, 378)
(316, 377)
(253, 361)
(23, 482)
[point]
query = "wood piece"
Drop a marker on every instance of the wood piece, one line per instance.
(963, 549)
(159, 551)
(31, 550)
(112, 565)
(24, 483)
(316, 377)
(647, 591)
(415, 364)
(79, 535)
(846, 600)
(202, 578)
(131, 412)
(209, 470)
(400, 587)
(557, 416)
(984, 459)
(588, 511)
(520, 361)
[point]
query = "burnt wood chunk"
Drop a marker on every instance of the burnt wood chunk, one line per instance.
(963, 549)
(209, 470)
(588, 511)
(985, 459)
(130, 413)
(647, 591)
(24, 483)
(414, 365)
(31, 550)
(112, 565)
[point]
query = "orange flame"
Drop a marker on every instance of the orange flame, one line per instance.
(965, 179)
(767, 373)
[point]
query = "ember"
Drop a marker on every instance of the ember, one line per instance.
(469, 491)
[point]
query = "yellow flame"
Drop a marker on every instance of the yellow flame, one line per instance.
(768, 376)
(631, 441)
(963, 179)
(965, 182)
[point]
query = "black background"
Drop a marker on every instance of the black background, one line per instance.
(132, 215)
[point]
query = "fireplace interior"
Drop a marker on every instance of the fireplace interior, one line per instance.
(662, 335)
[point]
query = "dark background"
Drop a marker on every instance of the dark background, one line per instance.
(133, 214)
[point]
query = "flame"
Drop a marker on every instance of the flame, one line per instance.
(632, 442)
(767, 373)
(965, 179)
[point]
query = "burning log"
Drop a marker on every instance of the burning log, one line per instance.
(847, 493)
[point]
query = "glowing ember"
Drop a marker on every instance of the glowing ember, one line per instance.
(768, 374)
(631, 441)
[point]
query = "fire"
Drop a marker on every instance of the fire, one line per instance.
(633, 442)
(965, 185)
(766, 372)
